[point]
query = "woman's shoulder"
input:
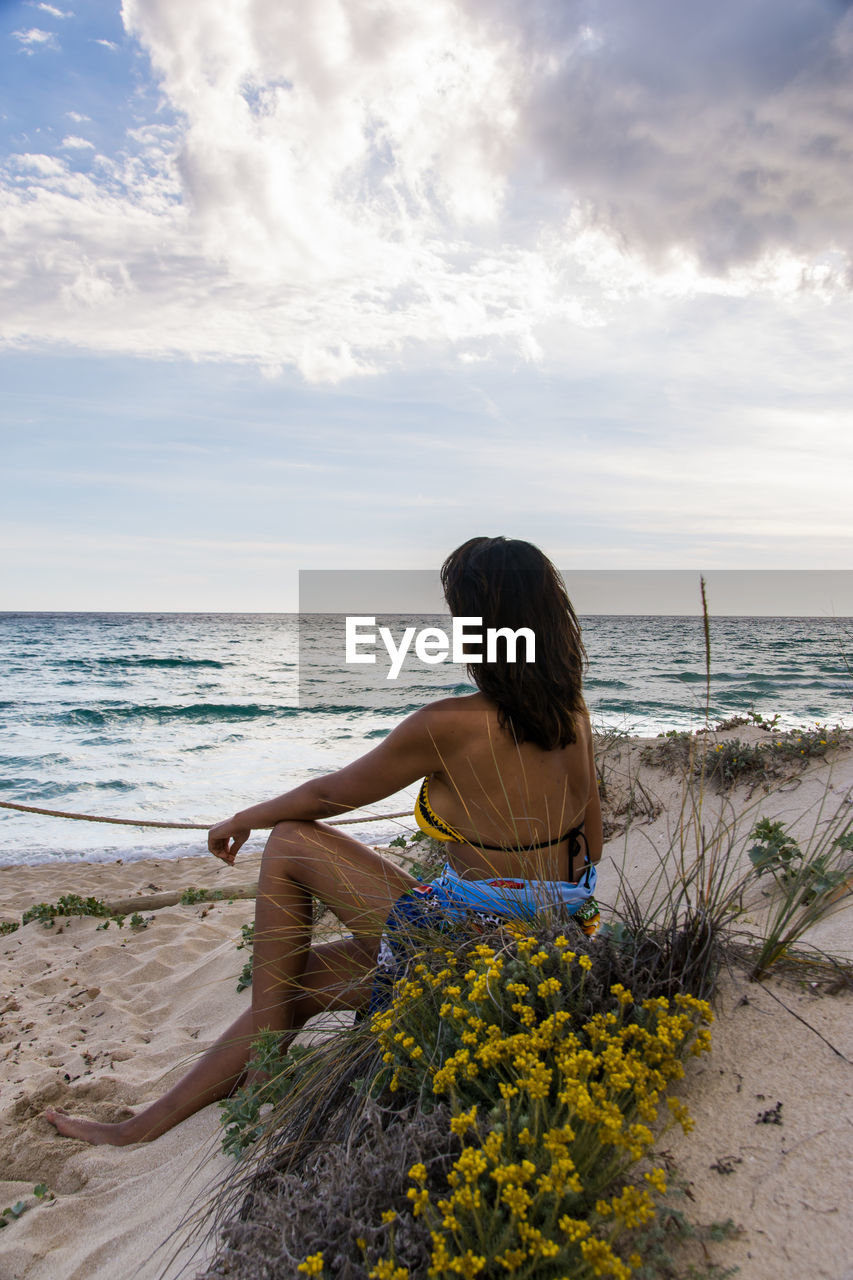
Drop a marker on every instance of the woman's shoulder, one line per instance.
(452, 715)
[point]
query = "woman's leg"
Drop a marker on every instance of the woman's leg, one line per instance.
(291, 981)
(303, 860)
(335, 978)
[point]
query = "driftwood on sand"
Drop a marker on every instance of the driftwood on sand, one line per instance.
(154, 901)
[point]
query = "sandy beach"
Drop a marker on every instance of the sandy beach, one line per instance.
(99, 1020)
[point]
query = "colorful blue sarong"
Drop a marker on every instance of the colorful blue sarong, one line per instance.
(449, 898)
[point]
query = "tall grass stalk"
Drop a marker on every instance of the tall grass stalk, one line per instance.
(706, 623)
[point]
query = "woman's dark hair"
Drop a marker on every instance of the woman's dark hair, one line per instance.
(512, 584)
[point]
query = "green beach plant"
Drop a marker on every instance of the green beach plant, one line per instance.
(70, 904)
(191, 896)
(12, 1212)
(808, 883)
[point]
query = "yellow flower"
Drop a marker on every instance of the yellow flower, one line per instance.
(388, 1215)
(440, 1256)
(575, 1228)
(657, 1178)
(464, 1121)
(585, 962)
(517, 1199)
(418, 1173)
(419, 1199)
(468, 1264)
(603, 1260)
(511, 1258)
(313, 1265)
(386, 1269)
(634, 1206)
(538, 1082)
(680, 1114)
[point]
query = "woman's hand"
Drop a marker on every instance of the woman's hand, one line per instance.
(227, 838)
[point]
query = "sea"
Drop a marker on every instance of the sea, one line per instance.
(189, 717)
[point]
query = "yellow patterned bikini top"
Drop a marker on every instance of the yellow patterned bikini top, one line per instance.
(432, 825)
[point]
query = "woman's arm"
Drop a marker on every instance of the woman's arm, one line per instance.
(592, 824)
(409, 752)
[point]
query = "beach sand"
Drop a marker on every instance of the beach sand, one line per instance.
(101, 1020)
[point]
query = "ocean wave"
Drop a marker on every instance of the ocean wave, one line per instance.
(88, 664)
(196, 713)
(211, 712)
(32, 789)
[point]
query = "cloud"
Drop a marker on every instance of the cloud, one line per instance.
(48, 166)
(722, 131)
(35, 37)
(52, 10)
(108, 44)
(73, 143)
(351, 181)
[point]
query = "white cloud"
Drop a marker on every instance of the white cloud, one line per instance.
(108, 44)
(354, 179)
(73, 143)
(48, 166)
(77, 117)
(34, 37)
(52, 10)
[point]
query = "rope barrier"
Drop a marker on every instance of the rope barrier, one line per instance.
(174, 826)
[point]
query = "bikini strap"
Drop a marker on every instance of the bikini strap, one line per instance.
(574, 838)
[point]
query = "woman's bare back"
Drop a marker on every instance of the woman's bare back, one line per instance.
(513, 798)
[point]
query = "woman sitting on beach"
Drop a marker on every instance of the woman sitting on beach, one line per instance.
(509, 785)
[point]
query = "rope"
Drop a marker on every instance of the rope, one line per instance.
(173, 826)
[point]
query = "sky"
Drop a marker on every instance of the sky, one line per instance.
(338, 285)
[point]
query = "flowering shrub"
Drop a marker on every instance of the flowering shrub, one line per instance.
(551, 1112)
(733, 761)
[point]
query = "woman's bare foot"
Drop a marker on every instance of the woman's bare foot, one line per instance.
(115, 1135)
